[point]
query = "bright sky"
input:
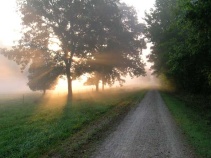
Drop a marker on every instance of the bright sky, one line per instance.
(10, 31)
(9, 22)
(141, 6)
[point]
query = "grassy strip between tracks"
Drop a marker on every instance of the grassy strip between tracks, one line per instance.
(52, 128)
(195, 125)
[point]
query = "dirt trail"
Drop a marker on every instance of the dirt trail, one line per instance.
(146, 132)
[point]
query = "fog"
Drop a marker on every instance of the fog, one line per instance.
(11, 78)
(13, 81)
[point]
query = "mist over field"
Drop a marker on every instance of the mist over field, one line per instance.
(73, 72)
(13, 80)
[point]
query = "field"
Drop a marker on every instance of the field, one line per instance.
(35, 126)
(193, 120)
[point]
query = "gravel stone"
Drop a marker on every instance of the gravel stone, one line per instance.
(148, 131)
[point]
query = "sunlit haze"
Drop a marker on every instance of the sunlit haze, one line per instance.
(10, 23)
(12, 80)
(141, 6)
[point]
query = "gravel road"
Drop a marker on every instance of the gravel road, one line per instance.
(146, 132)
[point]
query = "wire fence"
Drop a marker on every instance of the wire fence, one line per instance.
(19, 98)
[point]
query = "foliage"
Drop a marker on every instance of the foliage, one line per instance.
(33, 51)
(119, 56)
(82, 29)
(94, 80)
(43, 76)
(181, 43)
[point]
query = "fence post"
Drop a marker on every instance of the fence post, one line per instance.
(23, 98)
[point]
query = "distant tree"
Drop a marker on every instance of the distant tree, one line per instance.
(43, 75)
(93, 80)
(107, 79)
(121, 56)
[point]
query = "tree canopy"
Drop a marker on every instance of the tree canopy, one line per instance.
(85, 30)
(180, 33)
(122, 56)
(43, 74)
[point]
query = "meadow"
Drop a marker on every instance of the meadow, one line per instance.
(39, 125)
(193, 120)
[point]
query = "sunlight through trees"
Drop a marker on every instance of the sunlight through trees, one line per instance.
(85, 30)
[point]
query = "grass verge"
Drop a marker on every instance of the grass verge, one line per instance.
(52, 128)
(196, 126)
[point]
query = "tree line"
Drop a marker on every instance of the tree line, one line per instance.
(101, 38)
(180, 31)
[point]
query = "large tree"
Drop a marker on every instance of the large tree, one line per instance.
(82, 29)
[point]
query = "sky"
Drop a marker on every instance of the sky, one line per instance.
(11, 78)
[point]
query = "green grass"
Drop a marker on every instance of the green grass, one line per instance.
(33, 129)
(195, 125)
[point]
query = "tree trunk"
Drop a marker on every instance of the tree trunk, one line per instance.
(69, 81)
(44, 91)
(97, 87)
(69, 84)
(103, 85)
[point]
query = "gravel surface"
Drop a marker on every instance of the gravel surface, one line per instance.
(146, 132)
